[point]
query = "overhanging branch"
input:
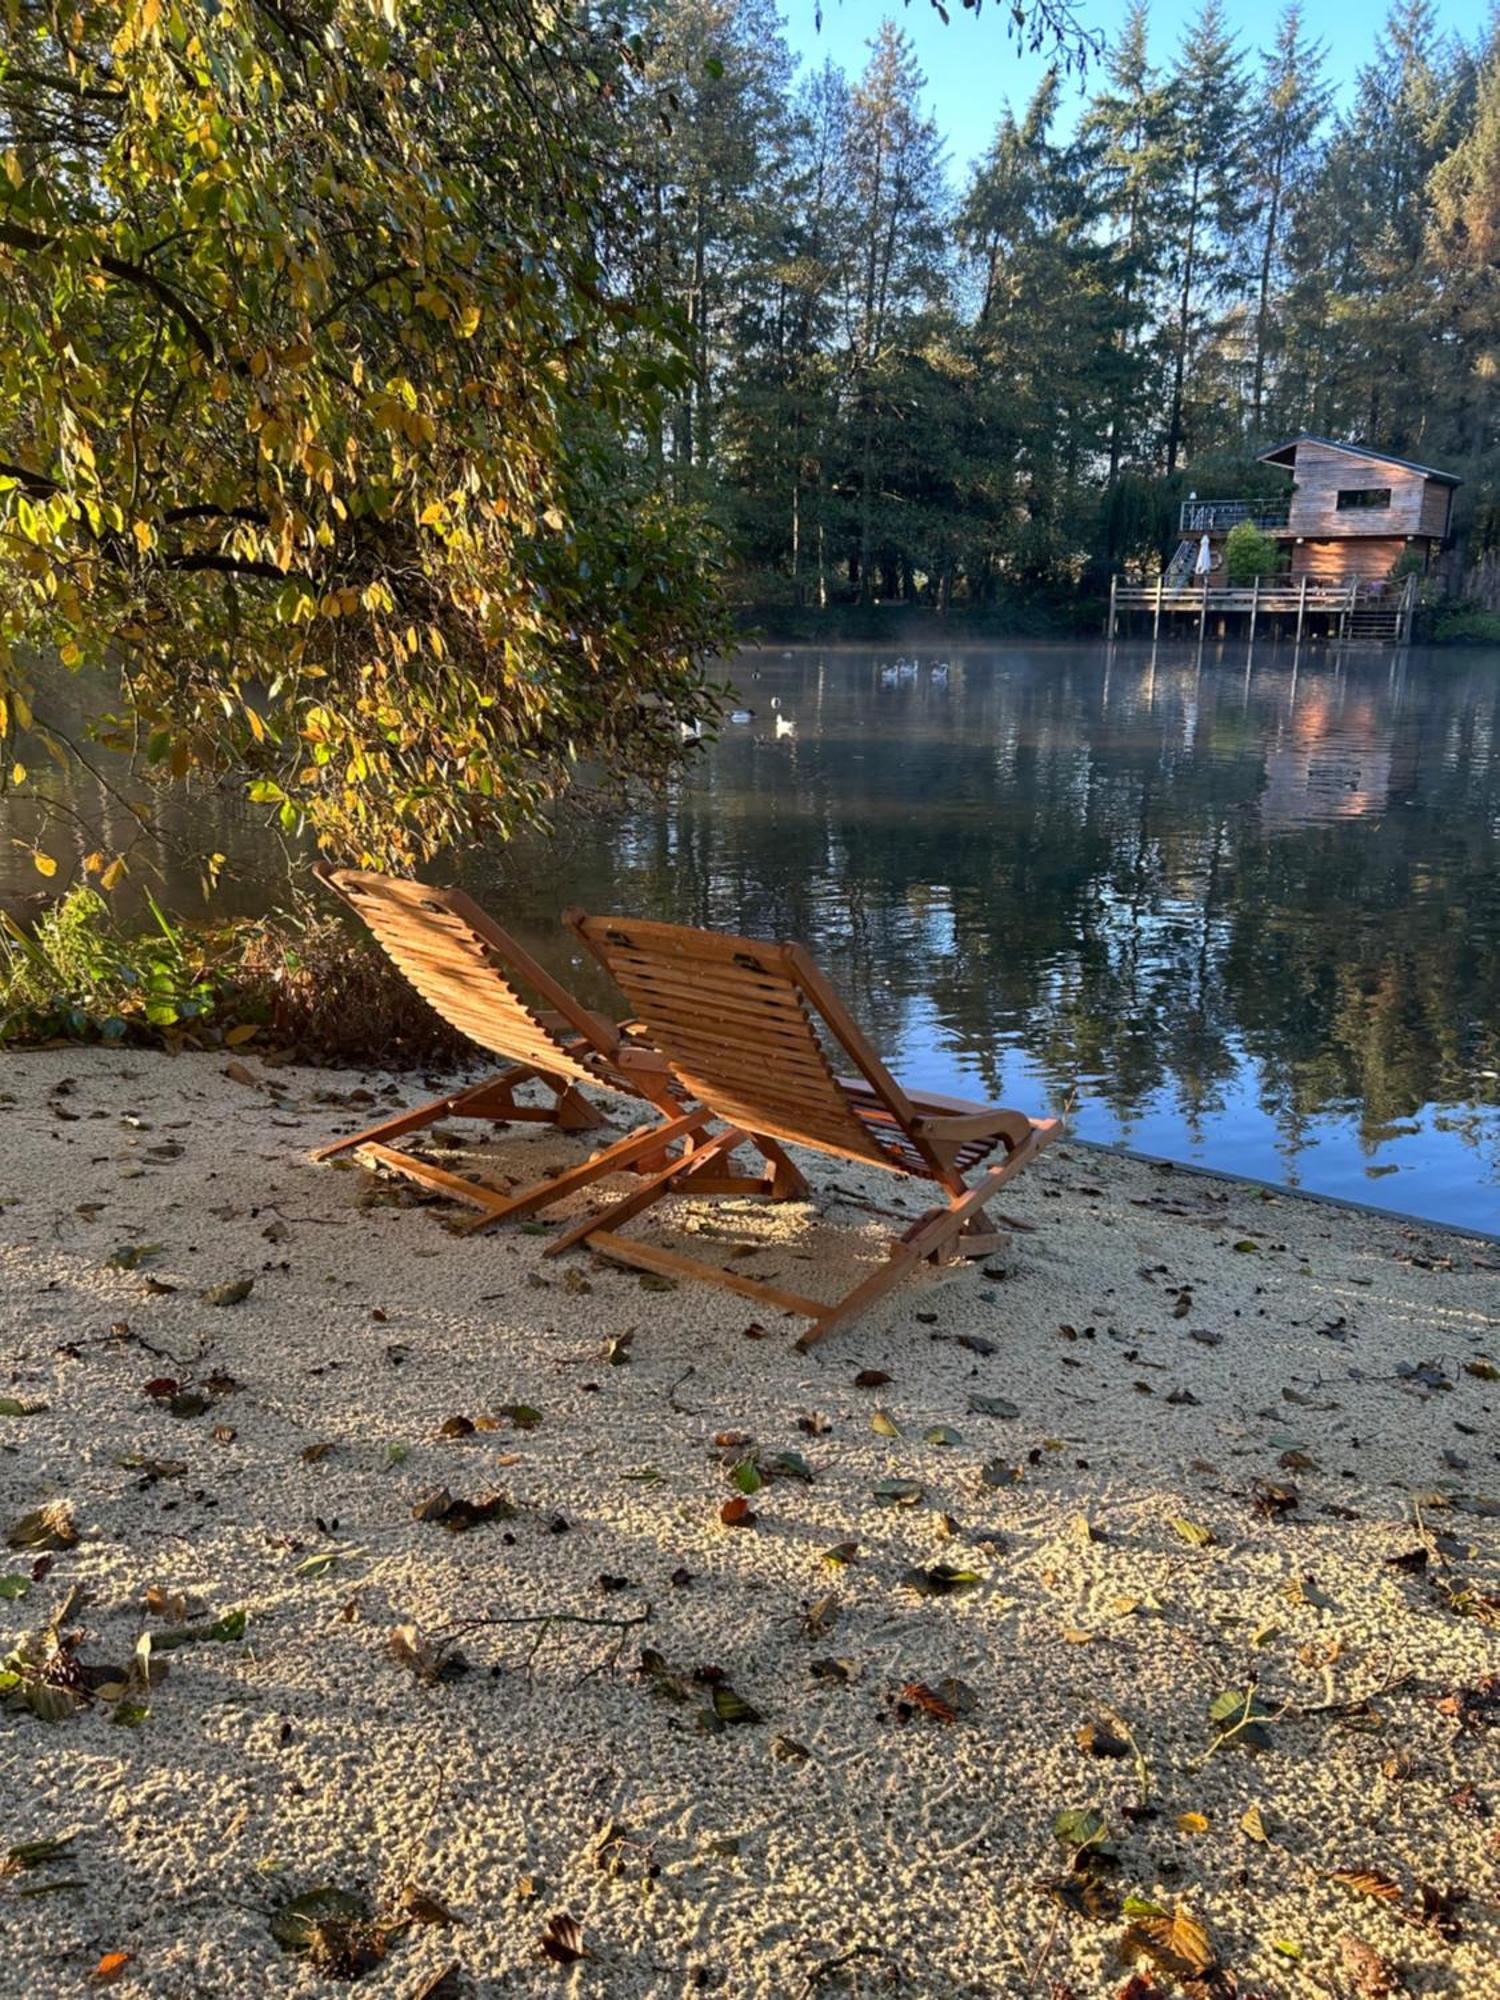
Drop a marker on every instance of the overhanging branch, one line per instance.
(131, 274)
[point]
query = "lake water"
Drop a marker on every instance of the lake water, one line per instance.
(1246, 916)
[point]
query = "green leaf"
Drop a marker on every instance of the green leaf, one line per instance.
(220, 1631)
(1081, 1829)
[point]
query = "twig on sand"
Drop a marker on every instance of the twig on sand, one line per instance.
(544, 1621)
(1040, 1964)
(681, 1408)
(831, 1965)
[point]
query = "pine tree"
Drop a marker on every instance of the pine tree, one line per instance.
(1281, 152)
(1126, 132)
(1207, 206)
(897, 196)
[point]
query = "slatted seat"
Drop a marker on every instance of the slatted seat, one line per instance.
(485, 984)
(750, 1030)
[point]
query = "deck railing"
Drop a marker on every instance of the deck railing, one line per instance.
(1213, 517)
(1352, 604)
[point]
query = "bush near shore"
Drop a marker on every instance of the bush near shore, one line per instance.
(298, 980)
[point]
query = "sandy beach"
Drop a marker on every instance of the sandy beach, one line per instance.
(1181, 1520)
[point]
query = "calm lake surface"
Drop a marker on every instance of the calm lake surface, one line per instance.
(1247, 917)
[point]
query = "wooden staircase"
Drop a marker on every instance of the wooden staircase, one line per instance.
(1381, 618)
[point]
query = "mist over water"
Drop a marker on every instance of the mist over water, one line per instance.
(1241, 914)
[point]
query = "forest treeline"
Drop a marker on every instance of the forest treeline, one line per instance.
(918, 386)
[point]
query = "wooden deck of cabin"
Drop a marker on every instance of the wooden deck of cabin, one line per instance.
(1350, 611)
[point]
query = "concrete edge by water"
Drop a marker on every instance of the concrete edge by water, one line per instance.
(1469, 1235)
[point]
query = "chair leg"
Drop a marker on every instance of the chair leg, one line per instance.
(471, 1103)
(574, 1113)
(676, 1175)
(930, 1236)
(494, 1099)
(612, 1160)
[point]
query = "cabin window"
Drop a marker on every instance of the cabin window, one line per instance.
(1351, 498)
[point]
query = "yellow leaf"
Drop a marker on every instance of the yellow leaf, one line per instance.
(1192, 1822)
(13, 168)
(18, 774)
(114, 873)
(237, 1037)
(71, 655)
(93, 863)
(145, 535)
(43, 863)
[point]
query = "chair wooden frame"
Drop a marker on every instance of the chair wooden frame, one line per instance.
(745, 1028)
(477, 977)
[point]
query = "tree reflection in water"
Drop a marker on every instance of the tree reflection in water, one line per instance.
(1249, 917)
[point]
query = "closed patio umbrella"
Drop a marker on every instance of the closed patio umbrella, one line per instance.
(1205, 560)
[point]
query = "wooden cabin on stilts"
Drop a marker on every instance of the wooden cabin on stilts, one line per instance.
(1352, 516)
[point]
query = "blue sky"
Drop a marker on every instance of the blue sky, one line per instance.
(973, 67)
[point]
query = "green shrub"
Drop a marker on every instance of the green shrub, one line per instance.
(1249, 554)
(300, 981)
(77, 977)
(1466, 625)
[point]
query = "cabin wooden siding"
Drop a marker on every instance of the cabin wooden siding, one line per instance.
(1437, 510)
(1321, 475)
(1367, 559)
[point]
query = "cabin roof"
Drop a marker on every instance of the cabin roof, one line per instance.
(1285, 454)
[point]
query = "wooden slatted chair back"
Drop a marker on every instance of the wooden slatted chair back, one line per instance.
(476, 976)
(738, 1020)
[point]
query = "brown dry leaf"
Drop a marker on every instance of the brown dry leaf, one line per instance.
(820, 1615)
(425, 1909)
(1101, 1739)
(1178, 1944)
(430, 1663)
(737, 1513)
(562, 1940)
(110, 1967)
(1367, 1882)
(458, 1516)
(1372, 1976)
(49, 1527)
(945, 1703)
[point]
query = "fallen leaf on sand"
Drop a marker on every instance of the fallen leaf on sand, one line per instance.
(458, 1516)
(562, 1940)
(49, 1527)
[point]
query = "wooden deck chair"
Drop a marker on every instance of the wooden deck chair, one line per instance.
(747, 1028)
(477, 977)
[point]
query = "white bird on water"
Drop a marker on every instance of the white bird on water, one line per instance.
(786, 725)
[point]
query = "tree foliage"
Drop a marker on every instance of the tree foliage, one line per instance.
(322, 361)
(944, 388)
(1249, 554)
